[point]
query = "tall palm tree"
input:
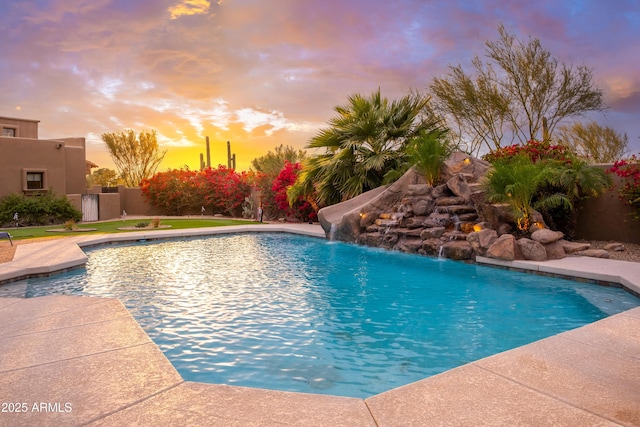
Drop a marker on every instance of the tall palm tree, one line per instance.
(363, 145)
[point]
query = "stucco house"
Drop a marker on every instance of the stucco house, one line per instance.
(31, 166)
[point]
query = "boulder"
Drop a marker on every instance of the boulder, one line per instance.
(544, 236)
(532, 250)
(369, 239)
(432, 233)
(432, 246)
(423, 207)
(596, 253)
(503, 248)
(481, 240)
(409, 245)
(461, 163)
(555, 250)
(418, 189)
(458, 250)
(571, 247)
(448, 201)
(615, 247)
(410, 232)
(415, 222)
(458, 186)
(460, 209)
(440, 191)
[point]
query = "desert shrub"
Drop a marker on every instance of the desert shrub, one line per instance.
(42, 209)
(561, 180)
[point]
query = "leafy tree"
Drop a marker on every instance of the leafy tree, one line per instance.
(513, 93)
(104, 177)
(363, 146)
(136, 157)
(273, 162)
(598, 144)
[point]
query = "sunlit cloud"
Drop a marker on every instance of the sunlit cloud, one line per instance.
(189, 7)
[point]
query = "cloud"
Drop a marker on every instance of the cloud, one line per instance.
(264, 73)
(188, 7)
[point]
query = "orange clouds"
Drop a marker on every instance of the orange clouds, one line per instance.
(188, 7)
(265, 73)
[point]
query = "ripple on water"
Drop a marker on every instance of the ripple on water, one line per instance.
(301, 314)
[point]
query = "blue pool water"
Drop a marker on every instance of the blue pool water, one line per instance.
(301, 314)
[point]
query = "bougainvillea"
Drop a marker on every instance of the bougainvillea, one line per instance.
(173, 190)
(535, 150)
(301, 209)
(220, 190)
(629, 189)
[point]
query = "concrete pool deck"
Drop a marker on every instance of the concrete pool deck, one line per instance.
(71, 360)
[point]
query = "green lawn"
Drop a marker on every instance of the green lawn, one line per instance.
(112, 227)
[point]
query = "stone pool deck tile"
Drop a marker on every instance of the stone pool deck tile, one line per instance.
(619, 333)
(44, 347)
(472, 396)
(30, 316)
(43, 258)
(625, 273)
(98, 364)
(221, 405)
(599, 378)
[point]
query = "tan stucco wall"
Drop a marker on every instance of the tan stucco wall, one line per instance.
(75, 165)
(134, 203)
(63, 161)
(607, 218)
(75, 200)
(109, 206)
(24, 128)
(24, 154)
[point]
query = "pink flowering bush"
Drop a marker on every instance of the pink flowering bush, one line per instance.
(629, 189)
(535, 150)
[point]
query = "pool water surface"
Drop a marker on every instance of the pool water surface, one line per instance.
(302, 314)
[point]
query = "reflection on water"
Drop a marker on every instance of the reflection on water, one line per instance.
(302, 314)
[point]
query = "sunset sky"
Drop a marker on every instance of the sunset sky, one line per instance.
(265, 73)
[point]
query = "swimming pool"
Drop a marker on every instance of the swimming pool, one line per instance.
(302, 314)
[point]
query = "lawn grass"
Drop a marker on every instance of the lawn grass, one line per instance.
(112, 227)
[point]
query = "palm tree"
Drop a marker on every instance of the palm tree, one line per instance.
(363, 145)
(517, 181)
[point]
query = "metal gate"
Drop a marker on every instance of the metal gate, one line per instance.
(89, 207)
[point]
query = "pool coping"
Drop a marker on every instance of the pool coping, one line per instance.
(111, 373)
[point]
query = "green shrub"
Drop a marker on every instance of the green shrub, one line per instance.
(42, 209)
(428, 151)
(142, 225)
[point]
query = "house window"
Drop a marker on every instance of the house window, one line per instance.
(9, 132)
(35, 180)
